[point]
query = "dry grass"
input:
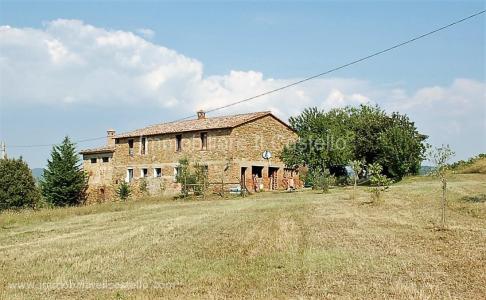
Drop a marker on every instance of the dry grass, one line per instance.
(278, 245)
(477, 167)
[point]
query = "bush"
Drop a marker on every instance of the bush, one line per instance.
(379, 182)
(17, 185)
(191, 178)
(320, 180)
(143, 186)
(123, 191)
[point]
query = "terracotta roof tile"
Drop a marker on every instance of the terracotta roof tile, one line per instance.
(103, 149)
(195, 125)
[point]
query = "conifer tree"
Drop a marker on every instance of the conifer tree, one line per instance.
(64, 182)
(17, 185)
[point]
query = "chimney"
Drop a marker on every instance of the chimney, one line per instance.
(110, 137)
(4, 151)
(201, 114)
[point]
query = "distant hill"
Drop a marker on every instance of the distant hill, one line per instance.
(424, 170)
(37, 173)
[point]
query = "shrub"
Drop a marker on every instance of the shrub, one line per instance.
(320, 180)
(378, 181)
(192, 177)
(17, 185)
(143, 187)
(123, 191)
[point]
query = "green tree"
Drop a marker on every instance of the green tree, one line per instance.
(184, 176)
(64, 182)
(324, 140)
(401, 147)
(123, 191)
(365, 133)
(357, 167)
(17, 185)
(367, 122)
(440, 157)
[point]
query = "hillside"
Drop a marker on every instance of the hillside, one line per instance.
(474, 165)
(37, 173)
(270, 245)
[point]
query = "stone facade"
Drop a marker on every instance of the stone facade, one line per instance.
(233, 155)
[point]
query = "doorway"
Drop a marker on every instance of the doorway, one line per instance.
(273, 178)
(243, 178)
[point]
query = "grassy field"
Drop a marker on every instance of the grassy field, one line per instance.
(270, 245)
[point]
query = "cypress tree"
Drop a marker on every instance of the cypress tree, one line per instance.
(64, 182)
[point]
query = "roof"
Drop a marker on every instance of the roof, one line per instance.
(198, 124)
(104, 149)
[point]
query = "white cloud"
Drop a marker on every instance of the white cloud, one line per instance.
(68, 62)
(146, 33)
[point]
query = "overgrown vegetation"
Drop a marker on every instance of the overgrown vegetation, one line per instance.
(364, 133)
(193, 178)
(64, 182)
(17, 185)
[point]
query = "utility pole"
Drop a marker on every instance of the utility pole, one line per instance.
(4, 150)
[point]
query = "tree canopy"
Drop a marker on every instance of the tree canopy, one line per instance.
(64, 182)
(17, 185)
(365, 133)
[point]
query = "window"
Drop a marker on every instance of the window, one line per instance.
(158, 172)
(204, 141)
(130, 147)
(144, 173)
(179, 142)
(143, 146)
(129, 175)
(177, 170)
(106, 159)
(257, 171)
(93, 160)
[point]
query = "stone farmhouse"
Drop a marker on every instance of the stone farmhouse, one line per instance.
(240, 150)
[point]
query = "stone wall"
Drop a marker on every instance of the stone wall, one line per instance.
(227, 152)
(100, 176)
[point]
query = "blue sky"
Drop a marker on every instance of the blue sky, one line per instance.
(228, 50)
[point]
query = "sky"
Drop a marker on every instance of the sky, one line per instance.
(79, 68)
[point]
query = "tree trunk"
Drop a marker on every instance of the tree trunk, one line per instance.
(444, 202)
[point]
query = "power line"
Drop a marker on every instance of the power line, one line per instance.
(343, 66)
(302, 80)
(51, 145)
